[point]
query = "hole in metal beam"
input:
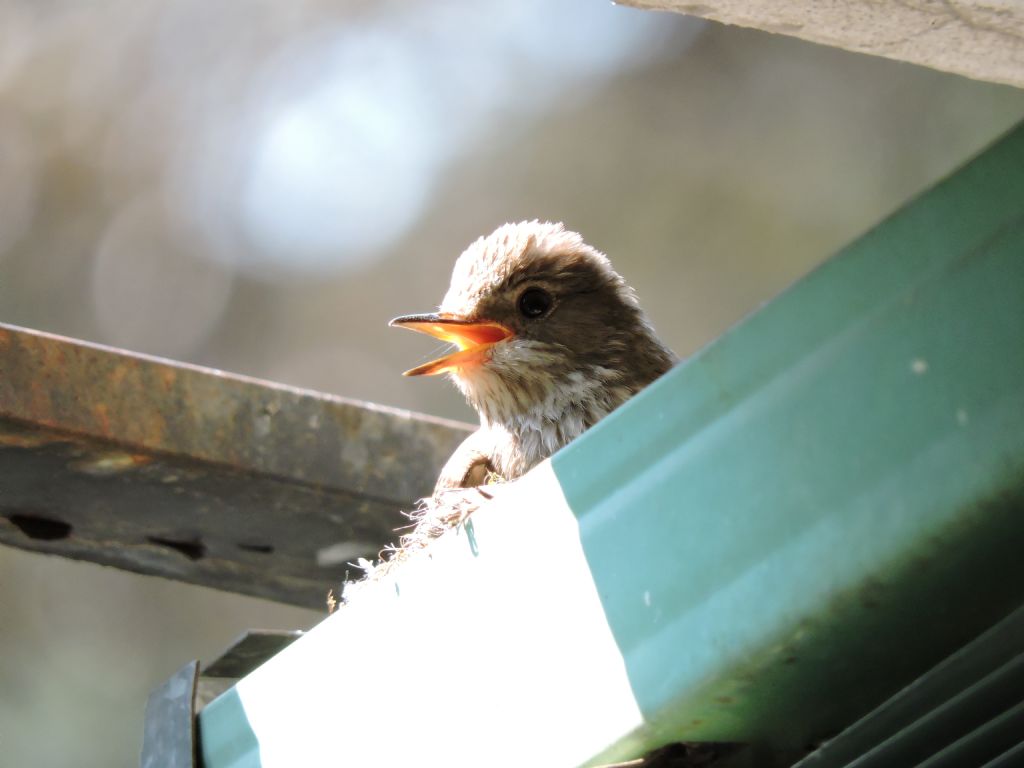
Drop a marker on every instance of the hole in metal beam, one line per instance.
(39, 527)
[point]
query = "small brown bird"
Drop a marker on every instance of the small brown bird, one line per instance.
(550, 340)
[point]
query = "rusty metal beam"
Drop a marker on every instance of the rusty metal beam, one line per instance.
(189, 473)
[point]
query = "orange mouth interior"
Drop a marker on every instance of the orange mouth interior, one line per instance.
(474, 339)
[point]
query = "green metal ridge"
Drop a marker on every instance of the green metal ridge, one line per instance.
(956, 686)
(827, 499)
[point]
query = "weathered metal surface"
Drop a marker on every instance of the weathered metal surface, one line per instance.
(159, 405)
(190, 473)
(249, 651)
(983, 39)
(760, 547)
(169, 739)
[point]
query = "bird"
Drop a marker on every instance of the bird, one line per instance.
(550, 340)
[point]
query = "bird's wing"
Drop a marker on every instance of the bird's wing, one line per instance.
(469, 466)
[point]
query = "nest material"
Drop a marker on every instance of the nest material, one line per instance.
(431, 518)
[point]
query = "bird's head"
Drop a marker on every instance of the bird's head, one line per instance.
(536, 313)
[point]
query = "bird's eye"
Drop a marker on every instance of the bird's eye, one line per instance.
(534, 302)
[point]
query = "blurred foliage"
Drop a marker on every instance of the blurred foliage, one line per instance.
(259, 187)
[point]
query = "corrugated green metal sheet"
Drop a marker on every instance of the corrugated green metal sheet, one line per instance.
(828, 498)
(777, 536)
(969, 710)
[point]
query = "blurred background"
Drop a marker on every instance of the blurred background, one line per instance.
(260, 186)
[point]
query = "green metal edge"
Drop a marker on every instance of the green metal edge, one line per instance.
(231, 742)
(826, 501)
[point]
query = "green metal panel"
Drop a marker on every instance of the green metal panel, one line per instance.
(808, 502)
(225, 737)
(779, 534)
(974, 686)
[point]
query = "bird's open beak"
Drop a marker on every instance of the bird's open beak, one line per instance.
(473, 337)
